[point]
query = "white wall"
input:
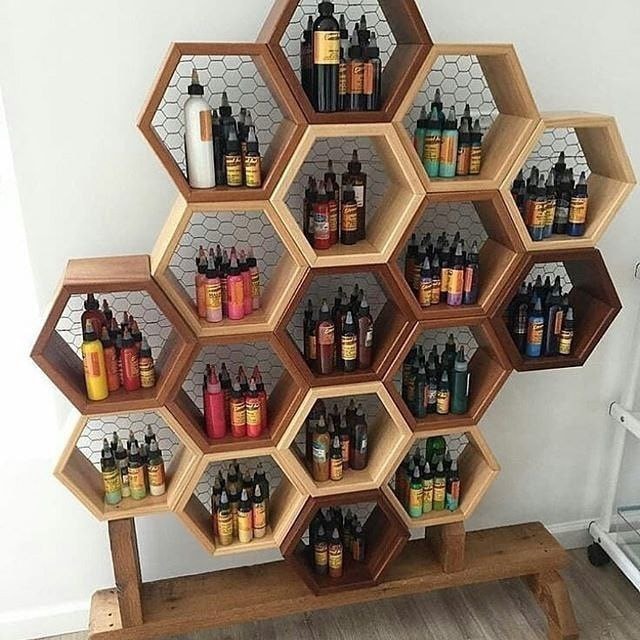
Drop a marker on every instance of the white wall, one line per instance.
(73, 76)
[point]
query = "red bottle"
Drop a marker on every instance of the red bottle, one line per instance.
(262, 394)
(129, 363)
(325, 340)
(225, 383)
(334, 208)
(245, 272)
(253, 411)
(215, 421)
(235, 290)
(321, 222)
(92, 312)
(110, 361)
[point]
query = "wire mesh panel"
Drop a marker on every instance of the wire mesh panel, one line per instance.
(96, 429)
(551, 270)
(240, 229)
(553, 141)
(340, 151)
(245, 87)
(352, 12)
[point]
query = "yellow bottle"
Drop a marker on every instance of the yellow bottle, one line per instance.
(95, 371)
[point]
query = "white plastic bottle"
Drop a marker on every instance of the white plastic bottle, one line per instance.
(198, 137)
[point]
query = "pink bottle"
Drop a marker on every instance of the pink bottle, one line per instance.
(216, 424)
(235, 290)
(213, 293)
(255, 279)
(224, 271)
(246, 284)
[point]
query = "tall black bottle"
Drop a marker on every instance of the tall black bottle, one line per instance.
(326, 59)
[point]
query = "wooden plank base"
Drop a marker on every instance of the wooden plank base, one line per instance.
(229, 597)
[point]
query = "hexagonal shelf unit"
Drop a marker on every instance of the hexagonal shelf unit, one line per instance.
(79, 466)
(490, 79)
(390, 329)
(384, 532)
(240, 224)
(477, 468)
(592, 143)
(284, 385)
(285, 500)
(252, 80)
(126, 283)
(489, 369)
(480, 217)
(402, 37)
(394, 190)
(584, 277)
(388, 437)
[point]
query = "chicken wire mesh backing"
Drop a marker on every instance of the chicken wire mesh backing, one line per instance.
(461, 81)
(272, 471)
(247, 355)
(245, 87)
(553, 141)
(551, 269)
(151, 321)
(362, 509)
(340, 151)
(352, 11)
(327, 287)
(240, 229)
(96, 429)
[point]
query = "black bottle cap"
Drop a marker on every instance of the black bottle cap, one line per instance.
(354, 166)
(225, 107)
(195, 88)
(326, 8)
(372, 50)
(355, 50)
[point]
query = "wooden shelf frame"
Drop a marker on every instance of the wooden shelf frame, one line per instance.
(477, 467)
(389, 439)
(78, 474)
(593, 297)
(489, 369)
(385, 226)
(391, 329)
(275, 157)
(62, 362)
(285, 503)
(283, 283)
(413, 43)
(611, 181)
(286, 395)
(500, 255)
(517, 120)
(385, 537)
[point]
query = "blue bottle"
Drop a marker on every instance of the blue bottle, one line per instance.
(535, 331)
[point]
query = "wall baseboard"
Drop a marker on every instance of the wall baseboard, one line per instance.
(26, 624)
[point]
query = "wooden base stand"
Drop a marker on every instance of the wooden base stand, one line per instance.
(136, 610)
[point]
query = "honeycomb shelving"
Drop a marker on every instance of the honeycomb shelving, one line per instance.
(159, 290)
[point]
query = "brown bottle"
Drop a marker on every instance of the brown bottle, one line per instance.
(321, 446)
(349, 344)
(325, 340)
(359, 181)
(365, 335)
(349, 214)
(358, 455)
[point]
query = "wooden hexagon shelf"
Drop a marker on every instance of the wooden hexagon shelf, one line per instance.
(244, 224)
(253, 64)
(79, 466)
(477, 468)
(598, 148)
(489, 368)
(388, 438)
(391, 326)
(408, 32)
(56, 355)
(285, 501)
(285, 393)
(592, 296)
(516, 114)
(385, 536)
(402, 195)
(487, 217)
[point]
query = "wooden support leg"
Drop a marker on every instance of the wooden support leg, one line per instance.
(551, 592)
(126, 570)
(447, 542)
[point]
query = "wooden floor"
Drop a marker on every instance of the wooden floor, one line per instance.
(606, 605)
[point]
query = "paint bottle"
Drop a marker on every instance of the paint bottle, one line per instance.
(475, 164)
(358, 544)
(262, 396)
(201, 276)
(342, 72)
(212, 293)
(578, 207)
(463, 162)
(424, 292)
(420, 392)
(444, 274)
(233, 160)
(420, 134)
(537, 210)
(566, 337)
(365, 335)
(427, 489)
(92, 312)
(306, 59)
(359, 181)
(198, 137)
(122, 462)
(321, 219)
(355, 75)
(444, 395)
(137, 482)
(247, 286)
(455, 280)
(471, 276)
(433, 142)
(146, 366)
(334, 211)
(245, 519)
(326, 59)
(254, 274)
(535, 331)
(254, 411)
(310, 194)
(224, 519)
(218, 149)
(320, 552)
(449, 146)
(252, 161)
(415, 494)
(107, 313)
(214, 402)
(237, 410)
(345, 443)
(156, 470)
(518, 190)
(129, 363)
(439, 488)
(550, 205)
(349, 345)
(335, 553)
(410, 259)
(436, 281)
(460, 384)
(452, 497)
(563, 202)
(519, 315)
(110, 361)
(359, 453)
(95, 372)
(335, 460)
(136, 334)
(349, 215)
(321, 444)
(372, 86)
(235, 290)
(110, 477)
(325, 340)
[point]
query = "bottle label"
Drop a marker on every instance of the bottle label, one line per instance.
(432, 395)
(448, 149)
(111, 481)
(147, 373)
(335, 557)
(416, 277)
(424, 294)
(213, 295)
(235, 291)
(311, 347)
(336, 468)
(93, 364)
(432, 143)
(521, 320)
(320, 555)
(245, 526)
(326, 47)
(368, 339)
(469, 272)
(137, 484)
(464, 160)
(538, 213)
(124, 479)
(368, 84)
(550, 212)
(442, 402)
(342, 79)
(333, 217)
(535, 330)
(319, 452)
(349, 217)
(238, 413)
(456, 281)
(363, 445)
(349, 350)
(453, 495)
(439, 492)
(444, 280)
(225, 528)
(255, 285)
(253, 413)
(578, 210)
(253, 171)
(427, 495)
(435, 290)
(326, 334)
(566, 338)
(355, 78)
(415, 501)
(557, 322)
(157, 479)
(562, 212)
(476, 159)
(233, 166)
(344, 443)
(358, 190)
(130, 365)
(259, 519)
(321, 227)
(206, 126)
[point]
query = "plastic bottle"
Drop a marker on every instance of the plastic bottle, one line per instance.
(471, 276)
(444, 395)
(247, 291)
(415, 494)
(95, 372)
(233, 160)
(254, 411)
(137, 482)
(214, 401)
(110, 477)
(201, 276)
(433, 142)
(321, 222)
(535, 331)
(110, 361)
(235, 290)
(359, 452)
(349, 215)
(306, 58)
(578, 208)
(427, 489)
(566, 337)
(455, 280)
(129, 363)
(349, 344)
(355, 75)
(320, 552)
(321, 443)
(146, 366)
(420, 133)
(326, 59)
(335, 460)
(463, 161)
(439, 488)
(475, 164)
(245, 519)
(333, 196)
(449, 146)
(224, 518)
(537, 210)
(452, 496)
(335, 552)
(563, 202)
(460, 384)
(424, 291)
(359, 181)
(365, 335)
(156, 470)
(198, 137)
(550, 205)
(372, 86)
(325, 340)
(92, 312)
(237, 409)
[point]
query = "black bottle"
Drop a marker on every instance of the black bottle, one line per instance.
(326, 59)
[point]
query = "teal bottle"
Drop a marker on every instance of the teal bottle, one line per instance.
(449, 146)
(420, 133)
(432, 143)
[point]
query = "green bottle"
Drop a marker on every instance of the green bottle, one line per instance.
(433, 140)
(460, 384)
(427, 489)
(435, 449)
(439, 488)
(415, 494)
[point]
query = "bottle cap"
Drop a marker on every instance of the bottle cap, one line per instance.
(145, 349)
(225, 107)
(89, 334)
(195, 88)
(91, 302)
(354, 166)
